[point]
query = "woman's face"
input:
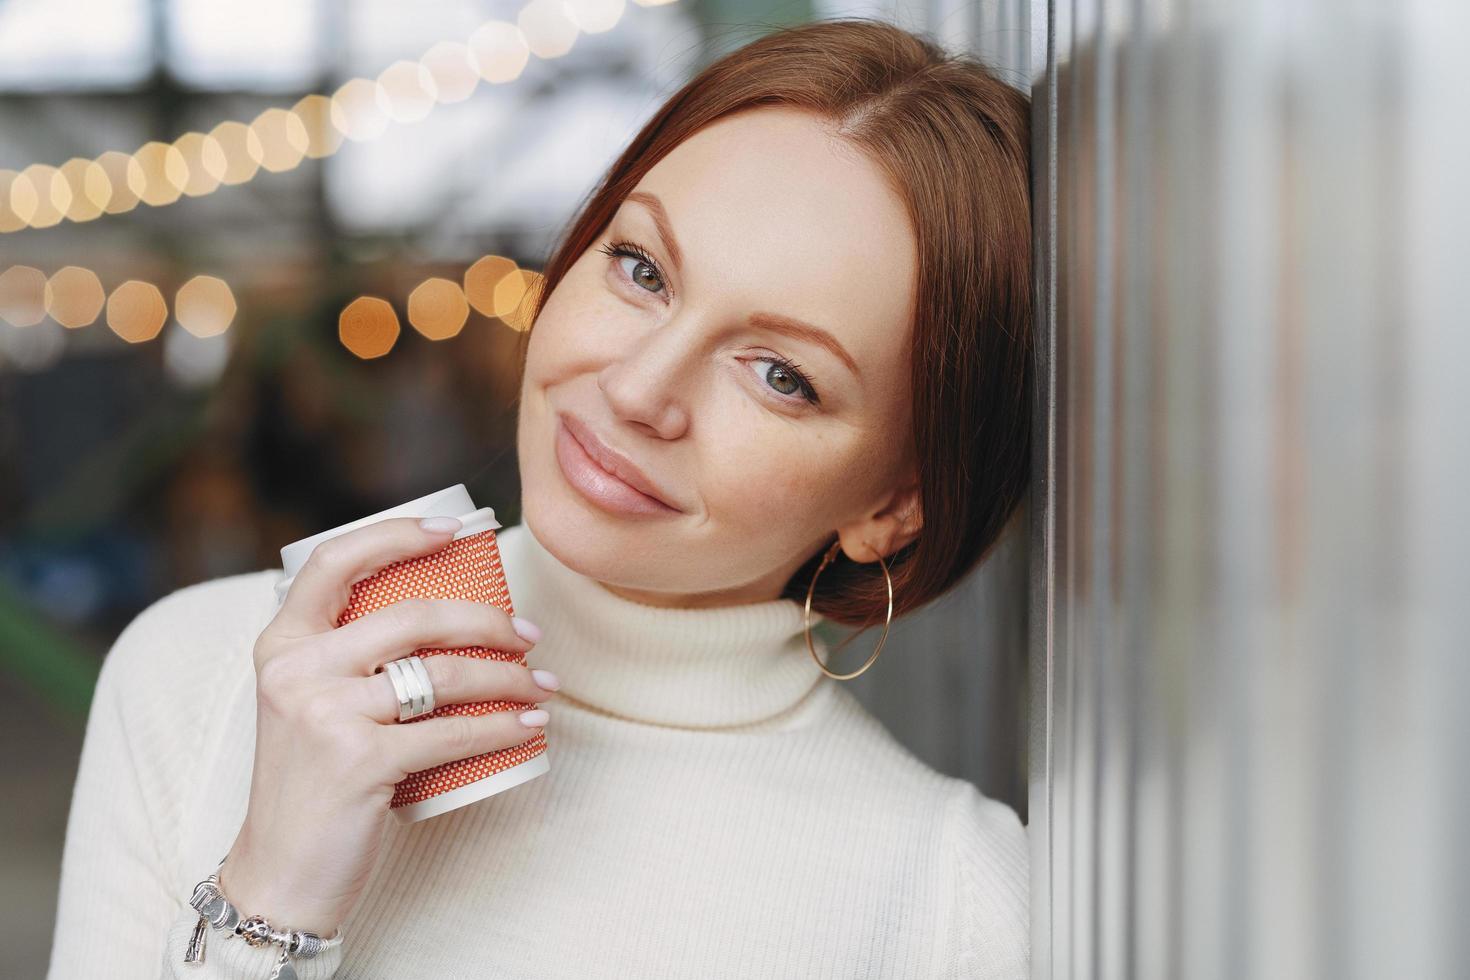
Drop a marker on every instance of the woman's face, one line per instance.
(671, 352)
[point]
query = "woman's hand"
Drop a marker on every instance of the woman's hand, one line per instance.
(328, 745)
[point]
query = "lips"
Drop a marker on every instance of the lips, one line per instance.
(613, 462)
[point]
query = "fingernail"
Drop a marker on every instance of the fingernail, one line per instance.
(441, 524)
(535, 719)
(526, 629)
(546, 680)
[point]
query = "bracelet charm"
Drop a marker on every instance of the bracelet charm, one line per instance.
(255, 931)
(284, 970)
(217, 911)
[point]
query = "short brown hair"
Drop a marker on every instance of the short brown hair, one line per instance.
(955, 141)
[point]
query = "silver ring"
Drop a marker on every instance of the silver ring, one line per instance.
(394, 670)
(417, 663)
(412, 686)
(415, 689)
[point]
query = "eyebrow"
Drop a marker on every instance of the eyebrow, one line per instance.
(801, 330)
(774, 322)
(661, 223)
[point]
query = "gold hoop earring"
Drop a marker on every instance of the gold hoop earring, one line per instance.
(826, 559)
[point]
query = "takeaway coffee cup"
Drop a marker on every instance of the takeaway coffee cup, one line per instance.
(467, 568)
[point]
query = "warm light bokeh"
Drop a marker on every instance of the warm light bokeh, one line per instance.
(74, 296)
(23, 295)
(165, 172)
(125, 181)
(368, 327)
(481, 279)
(437, 308)
(136, 311)
(282, 137)
(515, 297)
(205, 306)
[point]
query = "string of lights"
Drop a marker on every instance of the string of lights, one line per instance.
(161, 173)
(205, 306)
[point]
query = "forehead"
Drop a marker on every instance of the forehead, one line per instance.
(773, 212)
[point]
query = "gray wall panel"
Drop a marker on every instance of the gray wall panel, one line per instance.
(1249, 539)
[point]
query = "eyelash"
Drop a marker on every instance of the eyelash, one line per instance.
(631, 250)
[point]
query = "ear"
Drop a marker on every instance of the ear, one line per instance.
(895, 523)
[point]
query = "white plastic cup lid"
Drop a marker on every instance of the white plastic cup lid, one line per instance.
(450, 502)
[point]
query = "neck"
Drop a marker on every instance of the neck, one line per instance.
(696, 666)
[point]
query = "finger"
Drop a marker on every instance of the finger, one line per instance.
(456, 679)
(323, 586)
(419, 745)
(400, 628)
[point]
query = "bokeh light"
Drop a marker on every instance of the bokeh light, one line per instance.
(515, 297)
(548, 31)
(407, 91)
(9, 220)
(437, 308)
(205, 160)
(74, 296)
(204, 306)
(242, 151)
(41, 195)
(125, 181)
(282, 137)
(358, 110)
(322, 138)
(136, 311)
(481, 279)
(89, 188)
(195, 362)
(500, 51)
(368, 327)
(34, 350)
(453, 68)
(23, 295)
(165, 172)
(595, 16)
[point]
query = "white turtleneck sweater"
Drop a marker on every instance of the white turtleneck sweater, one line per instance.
(716, 807)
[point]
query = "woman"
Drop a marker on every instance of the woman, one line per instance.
(794, 320)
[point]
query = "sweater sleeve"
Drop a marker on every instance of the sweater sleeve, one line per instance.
(119, 912)
(988, 923)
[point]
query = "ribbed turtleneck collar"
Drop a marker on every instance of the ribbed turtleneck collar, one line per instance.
(693, 668)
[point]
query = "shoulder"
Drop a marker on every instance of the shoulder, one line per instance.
(187, 641)
(966, 817)
(981, 850)
(978, 823)
(988, 896)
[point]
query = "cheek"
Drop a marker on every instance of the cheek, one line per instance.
(574, 330)
(772, 474)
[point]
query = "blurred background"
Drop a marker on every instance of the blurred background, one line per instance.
(261, 272)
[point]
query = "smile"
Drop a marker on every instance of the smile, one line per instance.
(600, 487)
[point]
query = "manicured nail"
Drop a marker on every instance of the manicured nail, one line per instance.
(441, 524)
(526, 629)
(546, 680)
(535, 719)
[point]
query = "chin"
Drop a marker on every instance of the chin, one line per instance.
(598, 545)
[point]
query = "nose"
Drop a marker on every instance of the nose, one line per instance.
(648, 386)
